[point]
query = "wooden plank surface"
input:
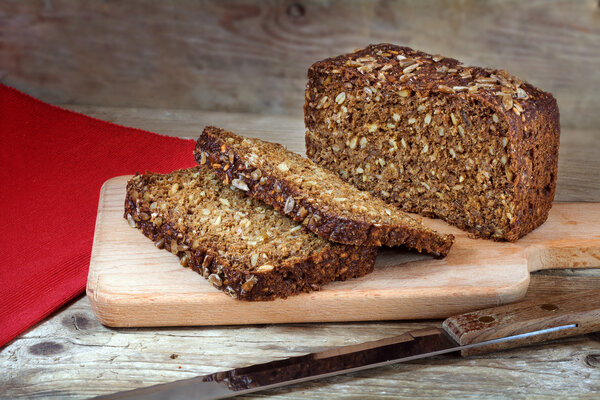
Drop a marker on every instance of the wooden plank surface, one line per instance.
(252, 56)
(71, 355)
(133, 284)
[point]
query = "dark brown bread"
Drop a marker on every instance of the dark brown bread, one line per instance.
(324, 203)
(241, 245)
(476, 147)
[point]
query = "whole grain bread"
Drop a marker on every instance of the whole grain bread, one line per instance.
(474, 146)
(312, 195)
(241, 245)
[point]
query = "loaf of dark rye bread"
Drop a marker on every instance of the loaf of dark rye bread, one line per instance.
(476, 147)
(241, 245)
(312, 195)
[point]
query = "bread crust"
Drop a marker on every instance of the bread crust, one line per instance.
(530, 115)
(230, 164)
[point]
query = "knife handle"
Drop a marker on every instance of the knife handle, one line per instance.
(582, 309)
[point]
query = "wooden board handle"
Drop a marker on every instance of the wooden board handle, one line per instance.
(570, 238)
(582, 309)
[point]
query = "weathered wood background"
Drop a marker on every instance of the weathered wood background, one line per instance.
(252, 56)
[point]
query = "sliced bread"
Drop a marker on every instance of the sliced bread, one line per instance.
(241, 245)
(312, 195)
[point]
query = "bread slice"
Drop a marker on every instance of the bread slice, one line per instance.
(476, 147)
(241, 245)
(318, 198)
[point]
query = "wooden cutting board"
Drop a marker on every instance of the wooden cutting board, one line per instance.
(132, 283)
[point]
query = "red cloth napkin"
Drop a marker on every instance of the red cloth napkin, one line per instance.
(53, 163)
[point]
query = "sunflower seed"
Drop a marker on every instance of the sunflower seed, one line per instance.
(215, 280)
(507, 102)
(265, 268)
(240, 184)
(410, 68)
(289, 205)
(445, 89)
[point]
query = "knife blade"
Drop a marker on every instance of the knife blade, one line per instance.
(480, 331)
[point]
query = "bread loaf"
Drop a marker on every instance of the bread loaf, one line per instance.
(312, 195)
(241, 245)
(474, 146)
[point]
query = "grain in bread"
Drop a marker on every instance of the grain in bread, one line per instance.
(241, 245)
(312, 195)
(474, 146)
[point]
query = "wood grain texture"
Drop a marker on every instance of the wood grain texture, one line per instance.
(578, 164)
(252, 56)
(581, 310)
(73, 356)
(132, 283)
(562, 281)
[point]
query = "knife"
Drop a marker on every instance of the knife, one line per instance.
(481, 331)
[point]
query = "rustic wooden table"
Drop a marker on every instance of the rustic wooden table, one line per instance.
(71, 355)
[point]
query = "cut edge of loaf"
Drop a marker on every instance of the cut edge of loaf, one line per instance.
(530, 115)
(335, 262)
(212, 149)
